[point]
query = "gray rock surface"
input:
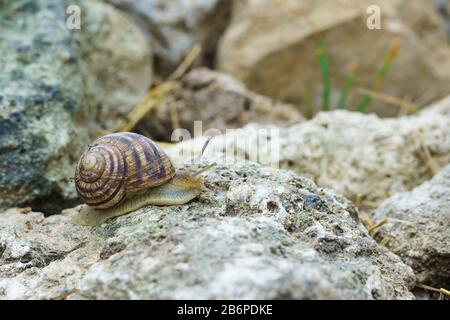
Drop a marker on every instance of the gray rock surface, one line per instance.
(218, 100)
(173, 27)
(418, 229)
(41, 102)
(253, 233)
(47, 81)
(363, 157)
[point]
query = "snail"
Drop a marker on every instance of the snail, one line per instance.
(122, 172)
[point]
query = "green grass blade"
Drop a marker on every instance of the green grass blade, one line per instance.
(380, 75)
(309, 105)
(347, 85)
(322, 59)
(366, 100)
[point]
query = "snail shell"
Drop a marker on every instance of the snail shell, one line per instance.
(117, 166)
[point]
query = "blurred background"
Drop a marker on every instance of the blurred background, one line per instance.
(74, 70)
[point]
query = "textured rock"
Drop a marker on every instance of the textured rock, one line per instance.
(440, 107)
(363, 157)
(270, 45)
(41, 102)
(253, 233)
(219, 101)
(418, 229)
(173, 27)
(47, 81)
(116, 58)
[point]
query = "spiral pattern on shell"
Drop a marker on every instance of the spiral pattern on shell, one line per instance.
(119, 165)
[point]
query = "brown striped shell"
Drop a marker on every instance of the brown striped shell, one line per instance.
(116, 166)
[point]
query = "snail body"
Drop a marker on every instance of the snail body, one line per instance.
(122, 172)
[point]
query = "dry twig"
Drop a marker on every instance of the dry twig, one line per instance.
(186, 63)
(429, 288)
(427, 156)
(374, 227)
(401, 103)
(145, 105)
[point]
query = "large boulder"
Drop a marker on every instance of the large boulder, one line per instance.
(270, 45)
(363, 157)
(174, 27)
(418, 229)
(47, 81)
(219, 101)
(254, 233)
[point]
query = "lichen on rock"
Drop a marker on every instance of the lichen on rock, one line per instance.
(41, 102)
(52, 87)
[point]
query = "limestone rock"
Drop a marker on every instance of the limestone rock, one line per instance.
(363, 157)
(219, 101)
(440, 107)
(270, 45)
(255, 233)
(418, 229)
